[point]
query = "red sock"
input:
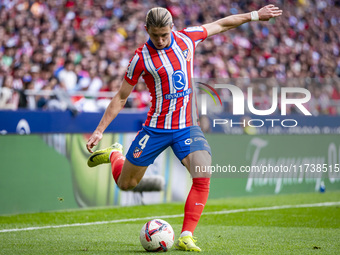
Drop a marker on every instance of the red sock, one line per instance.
(117, 161)
(195, 203)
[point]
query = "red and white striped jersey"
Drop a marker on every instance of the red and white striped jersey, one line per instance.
(167, 73)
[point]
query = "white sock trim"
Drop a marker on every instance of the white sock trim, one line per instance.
(186, 233)
(111, 154)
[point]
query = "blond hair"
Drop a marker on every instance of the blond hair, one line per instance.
(158, 17)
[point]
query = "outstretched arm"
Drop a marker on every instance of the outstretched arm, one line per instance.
(117, 103)
(222, 25)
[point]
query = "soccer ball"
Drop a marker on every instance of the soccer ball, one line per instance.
(157, 235)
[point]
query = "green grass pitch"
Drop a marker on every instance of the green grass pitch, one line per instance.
(310, 230)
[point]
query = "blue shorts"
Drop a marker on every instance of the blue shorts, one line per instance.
(150, 142)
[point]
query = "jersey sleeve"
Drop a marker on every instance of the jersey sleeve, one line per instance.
(134, 70)
(196, 34)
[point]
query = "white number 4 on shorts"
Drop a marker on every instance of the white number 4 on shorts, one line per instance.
(143, 141)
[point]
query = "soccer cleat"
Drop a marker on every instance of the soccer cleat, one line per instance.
(150, 183)
(103, 156)
(187, 243)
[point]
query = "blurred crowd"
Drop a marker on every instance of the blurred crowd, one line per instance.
(83, 47)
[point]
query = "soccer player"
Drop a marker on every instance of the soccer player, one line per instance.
(165, 62)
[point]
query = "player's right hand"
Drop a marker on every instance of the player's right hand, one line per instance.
(94, 140)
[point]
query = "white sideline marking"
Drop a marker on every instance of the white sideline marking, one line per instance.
(175, 216)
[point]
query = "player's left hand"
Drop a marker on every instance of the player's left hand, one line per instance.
(93, 140)
(269, 11)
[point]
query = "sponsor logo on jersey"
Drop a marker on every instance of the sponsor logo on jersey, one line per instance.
(179, 80)
(178, 94)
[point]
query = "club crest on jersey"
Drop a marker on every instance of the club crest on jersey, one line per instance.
(187, 54)
(137, 152)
